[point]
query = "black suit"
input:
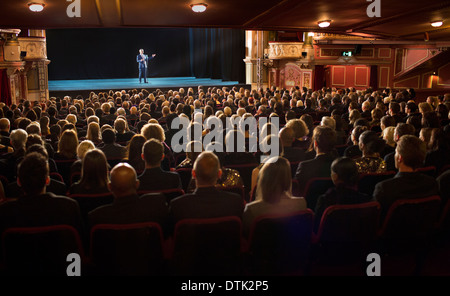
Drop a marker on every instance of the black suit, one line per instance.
(158, 179)
(42, 210)
(444, 186)
(132, 209)
(56, 187)
(404, 186)
(320, 166)
(206, 202)
(114, 151)
(293, 154)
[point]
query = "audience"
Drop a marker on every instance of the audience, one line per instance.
(370, 145)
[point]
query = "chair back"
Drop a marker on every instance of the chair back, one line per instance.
(280, 244)
(314, 188)
(367, 181)
(185, 176)
(168, 193)
(40, 250)
(127, 249)
(209, 246)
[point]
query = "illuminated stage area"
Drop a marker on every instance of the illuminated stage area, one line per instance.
(83, 87)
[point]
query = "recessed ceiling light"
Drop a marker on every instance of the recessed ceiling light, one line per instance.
(200, 7)
(36, 7)
(324, 24)
(437, 23)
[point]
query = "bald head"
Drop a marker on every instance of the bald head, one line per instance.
(287, 136)
(123, 180)
(206, 169)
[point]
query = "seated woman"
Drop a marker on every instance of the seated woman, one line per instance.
(273, 193)
(344, 174)
(94, 174)
(371, 146)
(82, 149)
(134, 157)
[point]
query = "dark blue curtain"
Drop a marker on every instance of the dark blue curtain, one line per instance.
(111, 53)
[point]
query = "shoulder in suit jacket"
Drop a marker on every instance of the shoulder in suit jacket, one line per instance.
(158, 179)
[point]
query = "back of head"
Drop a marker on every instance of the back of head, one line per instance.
(123, 180)
(287, 136)
(345, 170)
(206, 169)
(324, 138)
(153, 151)
(32, 173)
(108, 136)
(412, 150)
(94, 172)
(372, 142)
(18, 138)
(404, 129)
(274, 180)
(153, 131)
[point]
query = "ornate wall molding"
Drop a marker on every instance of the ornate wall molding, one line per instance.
(35, 47)
(285, 50)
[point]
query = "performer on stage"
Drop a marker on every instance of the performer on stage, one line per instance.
(143, 59)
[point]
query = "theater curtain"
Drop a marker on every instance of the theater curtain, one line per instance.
(217, 53)
(180, 52)
(374, 77)
(319, 73)
(5, 92)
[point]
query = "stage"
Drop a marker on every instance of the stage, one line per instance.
(83, 87)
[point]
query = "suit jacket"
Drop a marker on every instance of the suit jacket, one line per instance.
(158, 179)
(132, 209)
(206, 202)
(444, 186)
(293, 154)
(143, 62)
(41, 210)
(13, 190)
(404, 186)
(389, 159)
(114, 151)
(320, 166)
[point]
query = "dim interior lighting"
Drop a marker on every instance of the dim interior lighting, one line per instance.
(36, 7)
(437, 23)
(200, 7)
(324, 24)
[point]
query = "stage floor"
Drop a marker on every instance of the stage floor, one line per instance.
(131, 83)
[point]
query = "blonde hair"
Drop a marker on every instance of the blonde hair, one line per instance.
(153, 131)
(84, 147)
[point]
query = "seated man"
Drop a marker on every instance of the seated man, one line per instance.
(127, 206)
(400, 130)
(324, 139)
(154, 177)
(111, 149)
(344, 173)
(407, 183)
(37, 207)
(206, 201)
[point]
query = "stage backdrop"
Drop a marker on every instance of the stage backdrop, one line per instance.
(111, 53)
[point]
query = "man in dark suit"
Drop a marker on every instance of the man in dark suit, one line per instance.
(143, 59)
(324, 139)
(154, 177)
(111, 149)
(206, 201)
(407, 183)
(127, 206)
(37, 207)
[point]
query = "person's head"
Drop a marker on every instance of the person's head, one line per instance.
(141, 51)
(84, 147)
(109, 136)
(287, 136)
(274, 180)
(388, 136)
(344, 171)
(120, 125)
(4, 124)
(356, 133)
(94, 169)
(153, 131)
(403, 129)
(386, 121)
(135, 146)
(93, 132)
(152, 153)
(124, 181)
(370, 143)
(68, 144)
(328, 121)
(33, 174)
(206, 170)
(324, 139)
(18, 138)
(299, 127)
(410, 153)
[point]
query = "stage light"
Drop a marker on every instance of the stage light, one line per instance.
(200, 7)
(437, 24)
(36, 7)
(324, 24)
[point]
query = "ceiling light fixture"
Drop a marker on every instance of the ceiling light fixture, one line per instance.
(324, 24)
(437, 23)
(199, 7)
(311, 34)
(36, 7)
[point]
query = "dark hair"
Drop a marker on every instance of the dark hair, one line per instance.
(153, 151)
(372, 142)
(325, 137)
(94, 170)
(404, 129)
(135, 146)
(413, 151)
(33, 172)
(108, 136)
(346, 170)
